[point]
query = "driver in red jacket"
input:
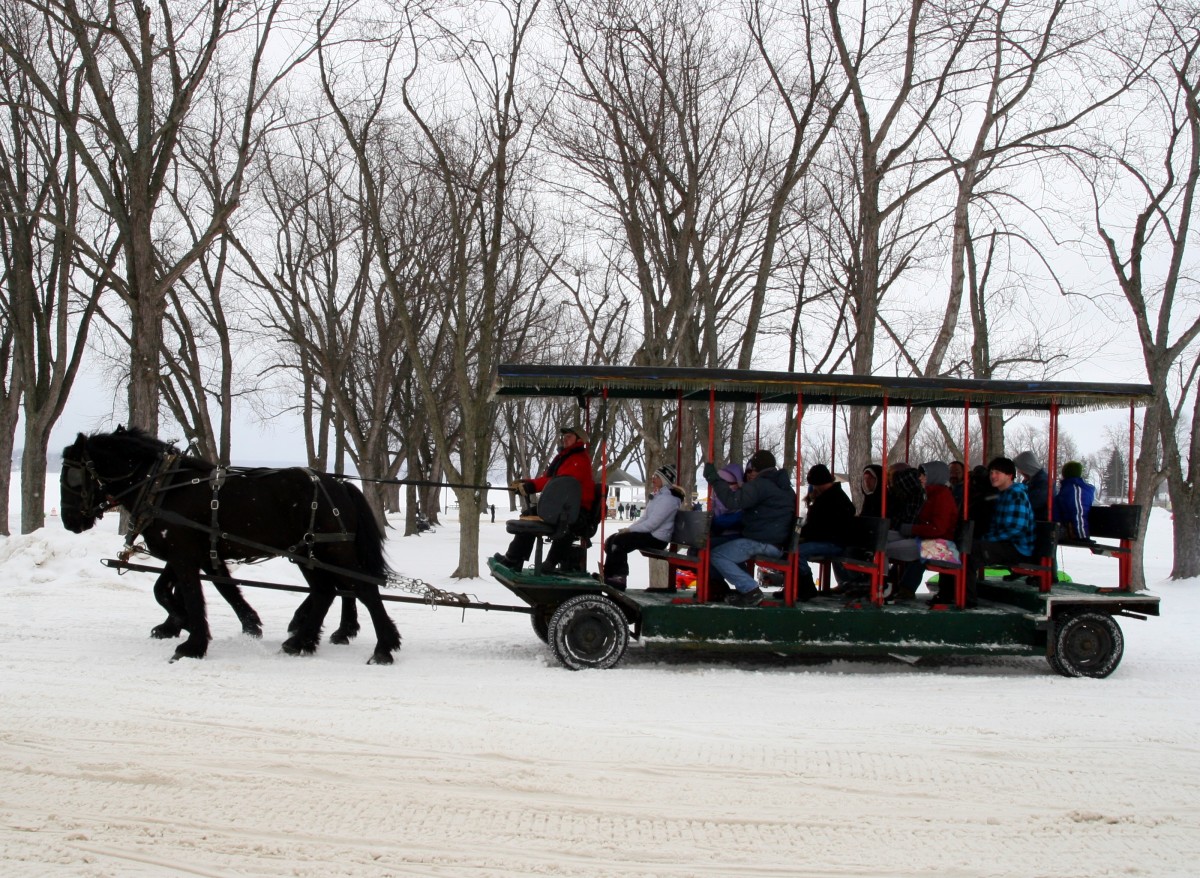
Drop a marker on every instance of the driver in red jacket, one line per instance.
(572, 460)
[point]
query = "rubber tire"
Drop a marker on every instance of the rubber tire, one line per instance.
(588, 631)
(1087, 644)
(540, 619)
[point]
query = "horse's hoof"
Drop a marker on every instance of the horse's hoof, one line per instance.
(164, 632)
(183, 651)
(252, 630)
(292, 646)
(342, 637)
(381, 658)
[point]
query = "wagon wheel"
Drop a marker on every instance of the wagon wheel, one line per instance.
(1087, 645)
(588, 631)
(540, 618)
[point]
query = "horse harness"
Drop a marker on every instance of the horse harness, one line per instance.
(146, 507)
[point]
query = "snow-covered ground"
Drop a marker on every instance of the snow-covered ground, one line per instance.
(477, 755)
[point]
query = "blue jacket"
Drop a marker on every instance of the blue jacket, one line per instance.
(1072, 504)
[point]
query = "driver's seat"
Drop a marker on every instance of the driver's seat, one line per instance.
(557, 510)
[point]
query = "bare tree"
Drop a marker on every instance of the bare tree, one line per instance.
(47, 296)
(469, 162)
(144, 68)
(1143, 187)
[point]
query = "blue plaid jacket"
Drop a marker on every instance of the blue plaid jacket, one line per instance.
(1012, 519)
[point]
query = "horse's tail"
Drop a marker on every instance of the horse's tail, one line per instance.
(368, 537)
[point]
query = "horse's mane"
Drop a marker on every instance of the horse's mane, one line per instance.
(151, 446)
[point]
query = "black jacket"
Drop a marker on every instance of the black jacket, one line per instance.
(768, 505)
(830, 517)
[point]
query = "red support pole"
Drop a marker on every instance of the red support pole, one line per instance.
(966, 493)
(833, 441)
(603, 490)
(757, 421)
(1053, 460)
(876, 584)
(1132, 428)
(702, 573)
(983, 444)
(907, 429)
(884, 463)
(799, 452)
(679, 436)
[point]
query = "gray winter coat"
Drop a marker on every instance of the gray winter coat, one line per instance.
(768, 505)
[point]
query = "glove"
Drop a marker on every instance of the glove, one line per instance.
(906, 530)
(529, 487)
(517, 486)
(710, 472)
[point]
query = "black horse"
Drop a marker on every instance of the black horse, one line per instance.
(194, 516)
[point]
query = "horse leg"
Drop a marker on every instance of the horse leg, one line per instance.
(196, 619)
(308, 618)
(348, 627)
(251, 623)
(164, 593)
(387, 636)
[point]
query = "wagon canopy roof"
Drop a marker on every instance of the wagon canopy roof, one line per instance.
(741, 385)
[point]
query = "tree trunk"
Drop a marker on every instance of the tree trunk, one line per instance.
(33, 478)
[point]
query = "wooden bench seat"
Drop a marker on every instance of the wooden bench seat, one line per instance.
(1119, 522)
(1041, 565)
(862, 552)
(690, 531)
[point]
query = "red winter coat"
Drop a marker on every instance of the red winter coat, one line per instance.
(938, 516)
(573, 462)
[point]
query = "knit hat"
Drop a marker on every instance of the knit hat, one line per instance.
(820, 475)
(936, 472)
(1002, 465)
(1072, 469)
(761, 460)
(1027, 463)
(578, 431)
(666, 472)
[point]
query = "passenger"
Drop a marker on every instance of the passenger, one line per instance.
(830, 517)
(651, 531)
(905, 495)
(936, 521)
(1073, 501)
(727, 523)
(872, 488)
(1037, 483)
(768, 506)
(1009, 537)
(981, 499)
(572, 460)
(958, 476)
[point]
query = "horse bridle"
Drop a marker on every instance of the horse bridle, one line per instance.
(75, 476)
